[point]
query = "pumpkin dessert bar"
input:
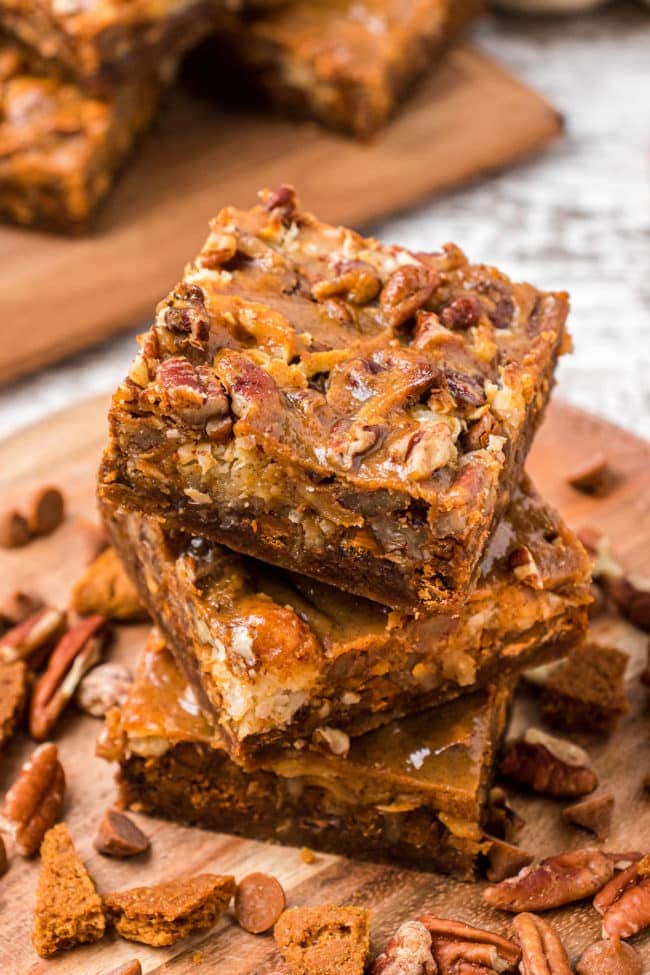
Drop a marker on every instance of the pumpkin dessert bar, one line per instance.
(352, 411)
(104, 43)
(276, 657)
(346, 65)
(60, 148)
(412, 792)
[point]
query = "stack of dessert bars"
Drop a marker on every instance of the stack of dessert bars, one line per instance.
(315, 476)
(81, 79)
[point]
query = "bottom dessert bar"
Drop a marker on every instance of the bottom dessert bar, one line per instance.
(59, 147)
(413, 792)
(275, 657)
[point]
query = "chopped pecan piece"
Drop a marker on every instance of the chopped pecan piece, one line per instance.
(31, 639)
(77, 651)
(459, 947)
(594, 814)
(549, 765)
(118, 836)
(610, 957)
(464, 312)
(502, 820)
(524, 568)
(594, 476)
(106, 589)
(259, 902)
(542, 952)
(407, 290)
(104, 687)
(33, 803)
(625, 902)
(407, 953)
(188, 315)
(553, 882)
(14, 530)
(192, 393)
(46, 511)
(505, 860)
(284, 199)
(355, 281)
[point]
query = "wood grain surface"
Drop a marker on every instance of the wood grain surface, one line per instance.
(65, 450)
(61, 295)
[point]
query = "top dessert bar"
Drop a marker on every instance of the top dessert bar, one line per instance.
(352, 411)
(59, 146)
(276, 658)
(104, 42)
(345, 64)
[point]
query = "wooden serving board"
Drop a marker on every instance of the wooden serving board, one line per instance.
(65, 450)
(60, 295)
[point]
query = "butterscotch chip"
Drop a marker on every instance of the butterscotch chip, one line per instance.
(594, 814)
(259, 902)
(118, 836)
(105, 588)
(46, 511)
(166, 913)
(327, 940)
(68, 908)
(14, 682)
(14, 530)
(128, 968)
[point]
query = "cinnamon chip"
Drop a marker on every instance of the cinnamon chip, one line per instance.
(259, 902)
(594, 476)
(14, 530)
(594, 814)
(46, 511)
(118, 836)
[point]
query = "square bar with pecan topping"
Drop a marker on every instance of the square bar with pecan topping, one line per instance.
(277, 658)
(59, 147)
(104, 43)
(414, 791)
(346, 65)
(349, 410)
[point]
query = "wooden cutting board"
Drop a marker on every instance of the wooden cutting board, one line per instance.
(65, 449)
(59, 295)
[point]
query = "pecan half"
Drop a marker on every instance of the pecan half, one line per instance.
(505, 860)
(407, 290)
(542, 952)
(194, 394)
(188, 314)
(77, 651)
(33, 803)
(407, 953)
(459, 947)
(555, 881)
(594, 814)
(524, 568)
(610, 958)
(31, 639)
(549, 765)
(625, 902)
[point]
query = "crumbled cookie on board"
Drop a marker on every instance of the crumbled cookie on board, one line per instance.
(326, 940)
(68, 908)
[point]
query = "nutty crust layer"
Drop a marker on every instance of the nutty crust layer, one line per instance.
(348, 410)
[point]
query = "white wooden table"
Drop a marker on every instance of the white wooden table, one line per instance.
(577, 218)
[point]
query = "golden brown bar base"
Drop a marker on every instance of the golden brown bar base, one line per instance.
(413, 792)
